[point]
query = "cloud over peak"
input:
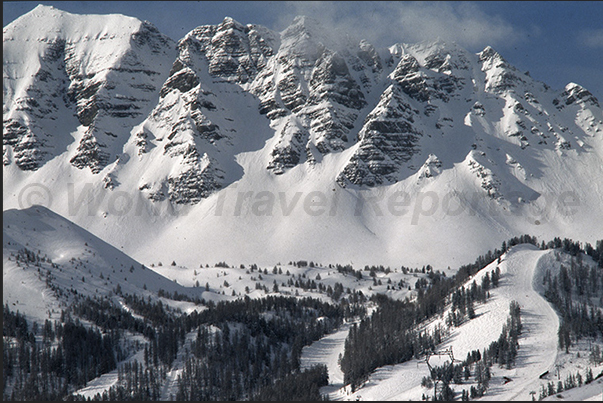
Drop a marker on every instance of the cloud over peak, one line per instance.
(385, 23)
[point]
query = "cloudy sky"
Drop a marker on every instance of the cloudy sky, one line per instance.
(558, 42)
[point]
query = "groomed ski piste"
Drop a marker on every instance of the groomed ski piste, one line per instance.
(522, 269)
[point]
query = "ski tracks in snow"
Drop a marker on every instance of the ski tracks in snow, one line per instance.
(521, 269)
(326, 351)
(170, 387)
(538, 341)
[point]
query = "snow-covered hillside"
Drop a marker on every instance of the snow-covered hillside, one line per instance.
(522, 270)
(239, 137)
(47, 260)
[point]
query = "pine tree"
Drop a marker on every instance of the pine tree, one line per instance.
(589, 376)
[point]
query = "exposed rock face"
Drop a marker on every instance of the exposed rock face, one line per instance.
(90, 154)
(392, 131)
(108, 81)
(387, 139)
(575, 94)
(128, 99)
(500, 75)
(315, 89)
(431, 167)
(197, 181)
(27, 151)
(419, 85)
(486, 178)
(235, 52)
(41, 100)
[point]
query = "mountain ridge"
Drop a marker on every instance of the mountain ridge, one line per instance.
(239, 108)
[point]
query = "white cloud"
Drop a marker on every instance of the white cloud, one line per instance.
(592, 38)
(385, 23)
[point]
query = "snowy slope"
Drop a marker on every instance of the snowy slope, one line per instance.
(67, 258)
(587, 393)
(327, 351)
(64, 260)
(522, 269)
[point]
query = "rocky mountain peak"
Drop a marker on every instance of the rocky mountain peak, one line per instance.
(77, 65)
(407, 66)
(488, 54)
(233, 111)
(235, 52)
(500, 75)
(100, 87)
(575, 93)
(444, 57)
(231, 23)
(303, 25)
(306, 38)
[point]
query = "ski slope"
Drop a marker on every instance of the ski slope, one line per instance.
(521, 270)
(327, 351)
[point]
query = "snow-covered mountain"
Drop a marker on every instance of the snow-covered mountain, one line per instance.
(47, 260)
(244, 144)
(238, 149)
(77, 82)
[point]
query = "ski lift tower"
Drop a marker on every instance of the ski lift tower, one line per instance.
(443, 359)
